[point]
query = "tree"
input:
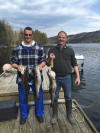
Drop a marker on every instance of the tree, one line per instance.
(6, 33)
(40, 37)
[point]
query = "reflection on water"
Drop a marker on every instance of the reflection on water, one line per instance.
(88, 92)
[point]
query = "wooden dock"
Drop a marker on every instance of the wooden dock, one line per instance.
(8, 90)
(83, 124)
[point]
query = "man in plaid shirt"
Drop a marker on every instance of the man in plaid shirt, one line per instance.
(28, 53)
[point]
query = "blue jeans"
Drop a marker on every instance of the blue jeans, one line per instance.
(66, 84)
(24, 106)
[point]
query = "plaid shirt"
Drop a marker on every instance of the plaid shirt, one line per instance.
(30, 58)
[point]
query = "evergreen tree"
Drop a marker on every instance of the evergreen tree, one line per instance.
(6, 33)
(40, 37)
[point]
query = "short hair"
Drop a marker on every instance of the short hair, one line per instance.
(27, 28)
(62, 32)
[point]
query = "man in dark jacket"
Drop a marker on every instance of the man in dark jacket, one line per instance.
(63, 61)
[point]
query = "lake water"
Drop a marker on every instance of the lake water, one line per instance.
(88, 93)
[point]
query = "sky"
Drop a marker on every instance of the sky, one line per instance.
(52, 16)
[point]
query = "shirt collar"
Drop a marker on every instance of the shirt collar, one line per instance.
(33, 43)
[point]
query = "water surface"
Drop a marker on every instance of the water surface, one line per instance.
(88, 93)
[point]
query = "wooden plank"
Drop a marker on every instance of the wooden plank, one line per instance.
(49, 128)
(29, 120)
(22, 128)
(7, 128)
(17, 124)
(85, 116)
(55, 126)
(82, 122)
(79, 120)
(14, 95)
(68, 125)
(42, 126)
(61, 122)
(75, 126)
(35, 122)
(26, 128)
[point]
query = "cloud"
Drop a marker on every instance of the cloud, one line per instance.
(51, 16)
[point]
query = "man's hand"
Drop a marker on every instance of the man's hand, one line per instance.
(19, 68)
(6, 67)
(77, 81)
(52, 56)
(42, 65)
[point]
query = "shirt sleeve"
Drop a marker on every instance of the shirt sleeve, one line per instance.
(73, 59)
(14, 56)
(42, 55)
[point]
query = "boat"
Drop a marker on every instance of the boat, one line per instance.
(80, 61)
(8, 90)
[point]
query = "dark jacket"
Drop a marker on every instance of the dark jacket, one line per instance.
(64, 60)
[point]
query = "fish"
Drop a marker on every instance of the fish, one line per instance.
(53, 85)
(25, 81)
(38, 81)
